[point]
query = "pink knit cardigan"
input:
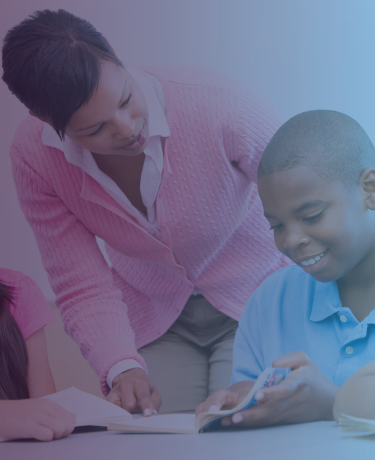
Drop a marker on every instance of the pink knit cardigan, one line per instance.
(214, 235)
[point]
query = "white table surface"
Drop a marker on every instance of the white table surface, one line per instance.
(318, 441)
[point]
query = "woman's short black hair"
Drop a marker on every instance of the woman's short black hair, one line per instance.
(51, 63)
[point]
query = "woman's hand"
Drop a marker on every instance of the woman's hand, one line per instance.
(134, 391)
(41, 419)
(306, 395)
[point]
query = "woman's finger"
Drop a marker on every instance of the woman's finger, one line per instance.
(156, 400)
(114, 397)
(126, 391)
(143, 395)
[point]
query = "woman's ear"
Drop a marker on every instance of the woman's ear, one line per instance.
(367, 184)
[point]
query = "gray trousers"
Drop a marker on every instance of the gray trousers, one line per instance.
(193, 358)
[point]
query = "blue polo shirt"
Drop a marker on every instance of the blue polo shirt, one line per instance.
(291, 311)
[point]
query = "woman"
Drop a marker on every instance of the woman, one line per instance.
(161, 164)
(24, 368)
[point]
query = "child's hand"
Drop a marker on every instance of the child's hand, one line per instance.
(306, 395)
(225, 399)
(41, 419)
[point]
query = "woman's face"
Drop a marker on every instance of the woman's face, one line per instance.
(115, 119)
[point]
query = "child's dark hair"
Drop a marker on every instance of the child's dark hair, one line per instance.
(51, 63)
(331, 143)
(13, 353)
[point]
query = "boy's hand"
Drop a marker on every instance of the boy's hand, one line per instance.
(306, 395)
(225, 399)
(134, 391)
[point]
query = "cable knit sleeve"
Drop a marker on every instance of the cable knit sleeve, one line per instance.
(91, 306)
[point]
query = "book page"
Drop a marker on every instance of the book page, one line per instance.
(359, 426)
(89, 409)
(169, 423)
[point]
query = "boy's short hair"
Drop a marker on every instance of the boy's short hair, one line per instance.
(332, 144)
(51, 63)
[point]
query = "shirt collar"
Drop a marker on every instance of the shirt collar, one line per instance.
(157, 121)
(326, 301)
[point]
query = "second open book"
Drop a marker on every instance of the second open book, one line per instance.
(93, 411)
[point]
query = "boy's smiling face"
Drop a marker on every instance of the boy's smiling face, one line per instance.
(324, 227)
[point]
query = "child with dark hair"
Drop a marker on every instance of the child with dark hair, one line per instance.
(316, 180)
(24, 369)
(160, 163)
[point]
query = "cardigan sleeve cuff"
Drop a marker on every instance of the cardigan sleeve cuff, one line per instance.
(121, 366)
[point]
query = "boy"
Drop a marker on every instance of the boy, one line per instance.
(316, 181)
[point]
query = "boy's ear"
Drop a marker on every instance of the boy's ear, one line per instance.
(367, 183)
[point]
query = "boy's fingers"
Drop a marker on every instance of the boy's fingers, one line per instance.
(248, 417)
(259, 415)
(283, 390)
(292, 360)
(228, 400)
(221, 399)
(200, 408)
(252, 418)
(218, 400)
(204, 406)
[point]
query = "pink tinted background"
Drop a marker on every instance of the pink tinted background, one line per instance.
(302, 55)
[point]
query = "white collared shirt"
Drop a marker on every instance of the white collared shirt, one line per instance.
(150, 177)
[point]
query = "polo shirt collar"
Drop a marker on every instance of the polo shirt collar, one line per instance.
(326, 301)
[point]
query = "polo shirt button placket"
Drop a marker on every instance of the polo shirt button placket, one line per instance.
(343, 318)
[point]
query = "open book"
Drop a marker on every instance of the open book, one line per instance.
(207, 421)
(357, 426)
(95, 411)
(92, 411)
